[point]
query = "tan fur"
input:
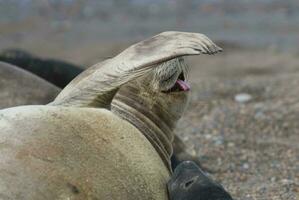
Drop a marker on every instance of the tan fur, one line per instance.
(76, 153)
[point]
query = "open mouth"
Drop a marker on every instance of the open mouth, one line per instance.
(180, 84)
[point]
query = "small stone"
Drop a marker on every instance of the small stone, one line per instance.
(243, 97)
(259, 115)
(208, 136)
(192, 151)
(231, 144)
(273, 179)
(245, 166)
(287, 181)
(218, 142)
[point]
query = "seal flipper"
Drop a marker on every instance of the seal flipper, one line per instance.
(189, 182)
(98, 88)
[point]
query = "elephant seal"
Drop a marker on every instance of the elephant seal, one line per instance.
(153, 103)
(19, 87)
(76, 148)
(58, 72)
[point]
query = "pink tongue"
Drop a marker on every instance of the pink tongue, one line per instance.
(183, 85)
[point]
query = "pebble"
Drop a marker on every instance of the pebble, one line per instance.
(208, 136)
(218, 142)
(231, 144)
(245, 166)
(243, 97)
(259, 115)
(273, 179)
(287, 182)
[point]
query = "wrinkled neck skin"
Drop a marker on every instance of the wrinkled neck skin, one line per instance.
(136, 98)
(154, 113)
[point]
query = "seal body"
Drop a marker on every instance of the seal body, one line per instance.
(55, 71)
(19, 87)
(50, 152)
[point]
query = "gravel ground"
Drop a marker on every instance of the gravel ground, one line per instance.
(242, 122)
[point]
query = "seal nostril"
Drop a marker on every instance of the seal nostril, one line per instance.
(189, 183)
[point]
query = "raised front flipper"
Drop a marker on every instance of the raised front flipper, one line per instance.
(97, 89)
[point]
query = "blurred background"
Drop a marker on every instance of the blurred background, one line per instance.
(242, 122)
(58, 27)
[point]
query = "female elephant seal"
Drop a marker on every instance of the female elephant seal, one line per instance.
(76, 148)
(18, 87)
(60, 73)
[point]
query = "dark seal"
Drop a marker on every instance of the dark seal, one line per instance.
(189, 182)
(58, 72)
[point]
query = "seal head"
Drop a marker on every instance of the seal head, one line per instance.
(155, 102)
(189, 182)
